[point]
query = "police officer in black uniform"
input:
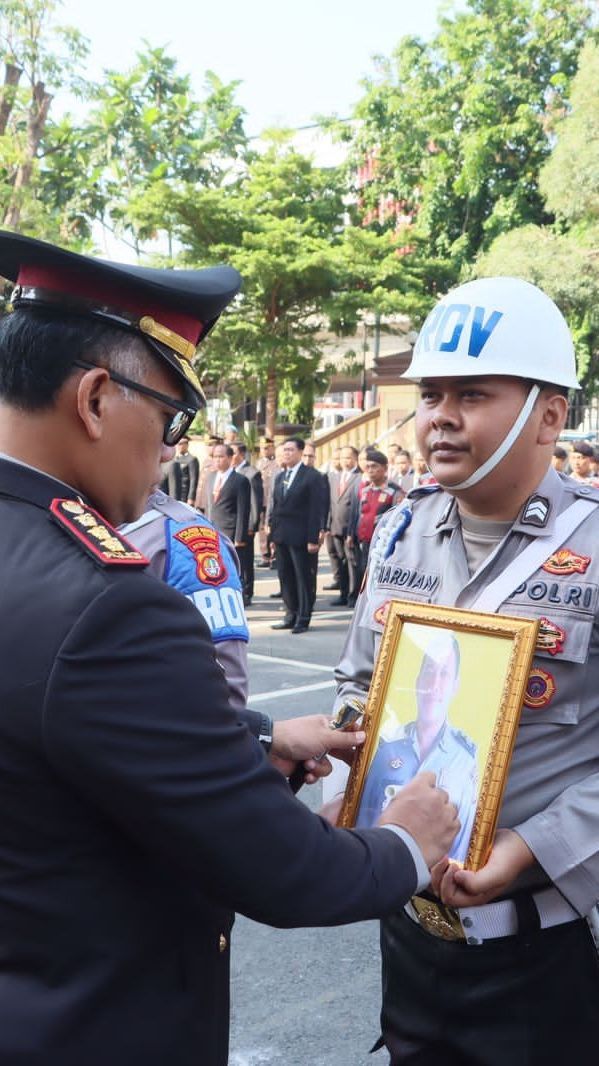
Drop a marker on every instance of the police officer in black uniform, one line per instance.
(138, 809)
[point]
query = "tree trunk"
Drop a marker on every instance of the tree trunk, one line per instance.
(12, 75)
(38, 114)
(271, 402)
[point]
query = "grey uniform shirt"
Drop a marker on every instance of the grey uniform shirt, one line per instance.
(149, 535)
(552, 793)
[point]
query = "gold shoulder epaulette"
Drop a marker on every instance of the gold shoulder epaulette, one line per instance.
(101, 540)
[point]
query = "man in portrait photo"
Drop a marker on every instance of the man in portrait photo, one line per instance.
(429, 743)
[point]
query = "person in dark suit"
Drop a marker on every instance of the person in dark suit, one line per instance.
(228, 497)
(188, 469)
(139, 810)
(243, 466)
(342, 484)
(170, 479)
(309, 458)
(296, 522)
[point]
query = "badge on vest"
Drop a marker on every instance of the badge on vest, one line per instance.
(551, 637)
(540, 689)
(565, 561)
(202, 542)
(104, 543)
(380, 615)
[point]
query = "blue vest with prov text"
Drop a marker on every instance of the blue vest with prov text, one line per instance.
(200, 564)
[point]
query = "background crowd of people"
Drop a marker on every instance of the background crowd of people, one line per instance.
(279, 517)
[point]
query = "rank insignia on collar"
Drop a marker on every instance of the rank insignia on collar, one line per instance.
(536, 511)
(445, 516)
(101, 540)
(202, 542)
(551, 637)
(565, 561)
(540, 689)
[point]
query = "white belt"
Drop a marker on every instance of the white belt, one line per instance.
(498, 919)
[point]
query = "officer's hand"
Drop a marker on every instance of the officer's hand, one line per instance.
(311, 737)
(313, 548)
(308, 740)
(426, 813)
(463, 888)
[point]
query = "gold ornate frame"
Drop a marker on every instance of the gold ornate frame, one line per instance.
(523, 634)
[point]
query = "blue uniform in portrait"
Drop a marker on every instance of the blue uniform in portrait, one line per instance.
(452, 759)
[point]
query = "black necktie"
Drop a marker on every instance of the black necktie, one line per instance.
(286, 481)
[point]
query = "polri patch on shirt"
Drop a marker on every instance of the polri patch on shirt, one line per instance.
(564, 561)
(98, 538)
(536, 511)
(203, 543)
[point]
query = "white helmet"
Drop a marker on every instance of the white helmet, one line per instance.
(500, 326)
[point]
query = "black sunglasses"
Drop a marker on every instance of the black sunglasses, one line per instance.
(177, 426)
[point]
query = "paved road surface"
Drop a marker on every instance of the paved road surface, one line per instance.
(306, 997)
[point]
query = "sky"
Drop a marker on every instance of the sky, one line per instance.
(295, 60)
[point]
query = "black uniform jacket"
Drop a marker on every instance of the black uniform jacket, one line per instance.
(138, 812)
(297, 515)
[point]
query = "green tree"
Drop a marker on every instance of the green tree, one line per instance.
(281, 225)
(451, 135)
(147, 135)
(39, 57)
(563, 259)
(570, 179)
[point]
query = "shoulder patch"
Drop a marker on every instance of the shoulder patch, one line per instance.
(203, 542)
(536, 511)
(95, 535)
(587, 491)
(424, 490)
(465, 741)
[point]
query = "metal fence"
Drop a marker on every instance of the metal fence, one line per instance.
(583, 416)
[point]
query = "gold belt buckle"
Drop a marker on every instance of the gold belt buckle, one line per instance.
(437, 919)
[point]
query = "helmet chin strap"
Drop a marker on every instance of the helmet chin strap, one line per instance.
(503, 448)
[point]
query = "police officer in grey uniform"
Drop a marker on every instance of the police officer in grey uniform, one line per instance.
(516, 977)
(430, 743)
(167, 524)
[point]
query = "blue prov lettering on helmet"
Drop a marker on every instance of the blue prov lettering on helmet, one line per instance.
(445, 325)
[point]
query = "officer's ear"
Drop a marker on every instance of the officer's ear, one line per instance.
(93, 399)
(553, 405)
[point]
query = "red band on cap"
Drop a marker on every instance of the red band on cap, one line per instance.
(117, 294)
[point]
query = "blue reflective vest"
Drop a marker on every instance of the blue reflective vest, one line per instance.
(200, 564)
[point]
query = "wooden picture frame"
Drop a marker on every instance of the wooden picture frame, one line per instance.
(446, 695)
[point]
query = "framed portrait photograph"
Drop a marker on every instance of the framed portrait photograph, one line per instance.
(446, 696)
